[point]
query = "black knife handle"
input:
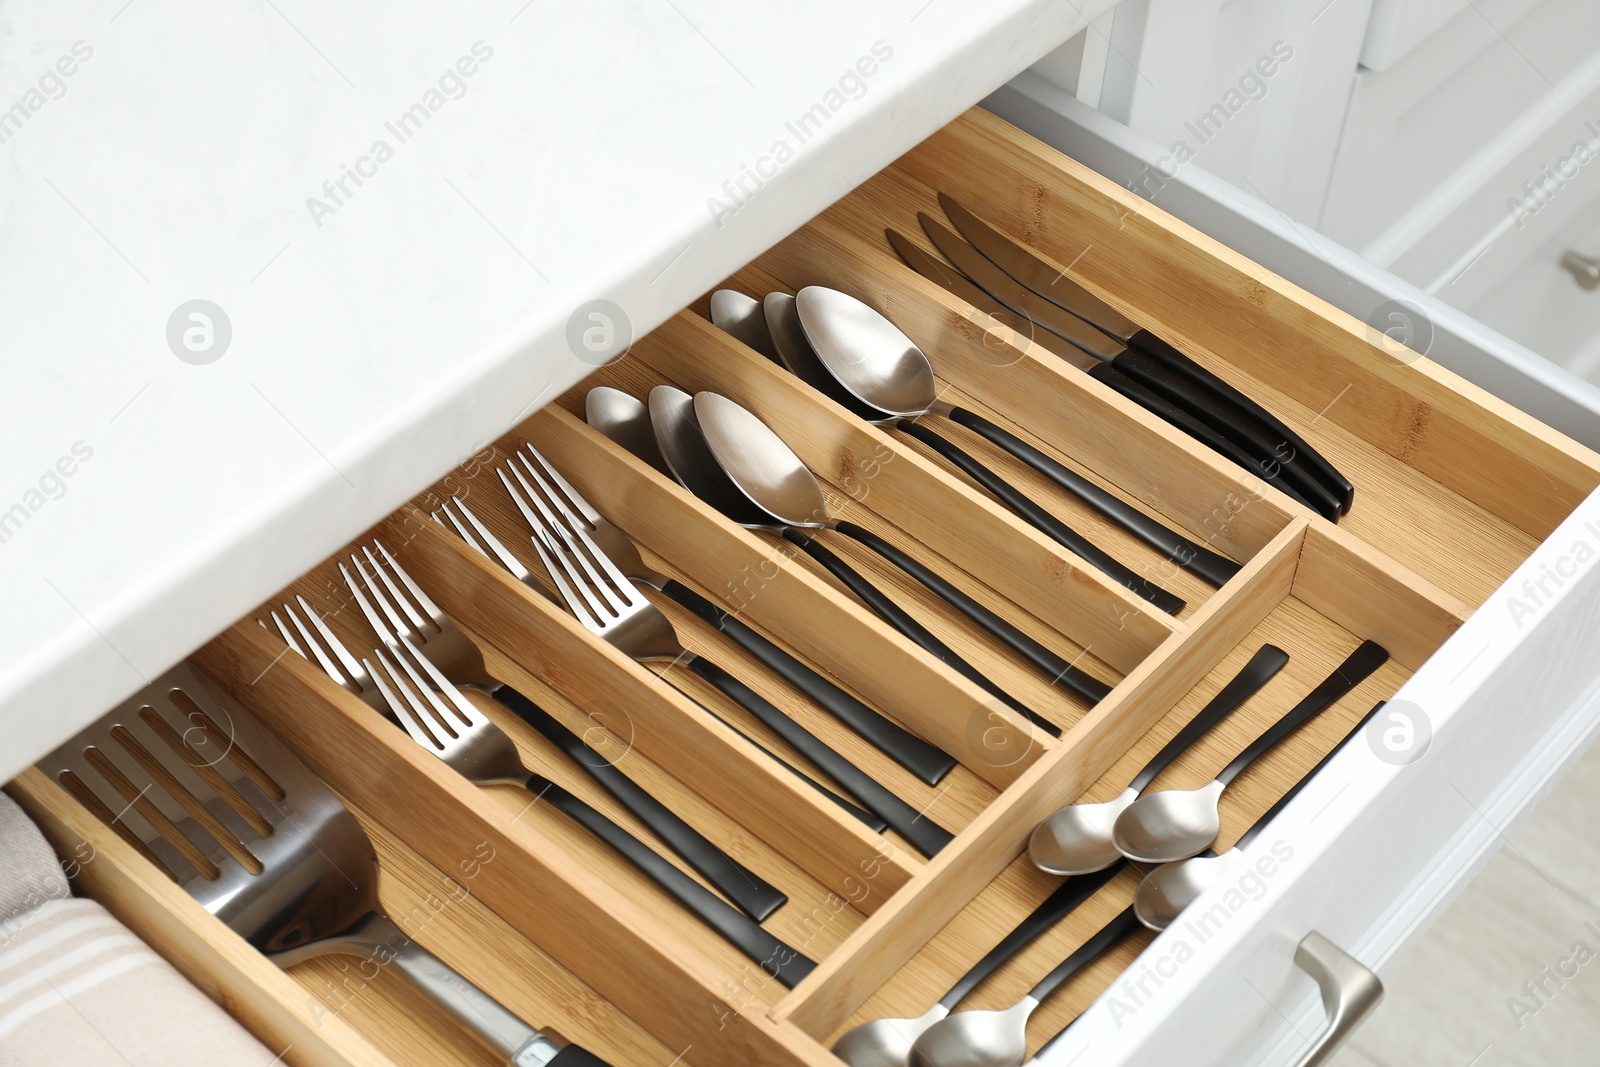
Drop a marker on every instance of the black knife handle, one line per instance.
(908, 627)
(1367, 657)
(1225, 418)
(1059, 670)
(1040, 519)
(735, 881)
(1315, 461)
(1271, 473)
(782, 962)
(1213, 567)
(1055, 907)
(925, 835)
(927, 762)
(1267, 662)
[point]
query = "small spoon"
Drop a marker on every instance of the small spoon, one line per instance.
(776, 482)
(734, 313)
(887, 1042)
(1172, 887)
(624, 418)
(1000, 1038)
(871, 359)
(1177, 823)
(1077, 838)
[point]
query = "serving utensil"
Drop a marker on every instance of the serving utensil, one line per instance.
(197, 786)
(1166, 891)
(1177, 823)
(608, 604)
(626, 420)
(1077, 838)
(888, 1042)
(773, 480)
(1021, 280)
(847, 351)
(1000, 1038)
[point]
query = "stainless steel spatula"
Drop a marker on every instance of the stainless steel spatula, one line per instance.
(190, 779)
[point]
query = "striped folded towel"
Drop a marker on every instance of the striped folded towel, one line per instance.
(78, 989)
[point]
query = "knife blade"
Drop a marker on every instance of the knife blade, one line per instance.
(1021, 263)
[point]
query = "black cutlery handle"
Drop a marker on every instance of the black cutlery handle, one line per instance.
(738, 883)
(1283, 801)
(1267, 661)
(1041, 519)
(744, 933)
(928, 762)
(1091, 950)
(1368, 657)
(1269, 472)
(575, 1056)
(1079, 681)
(1232, 423)
(1195, 558)
(1182, 364)
(925, 835)
(904, 624)
(1055, 907)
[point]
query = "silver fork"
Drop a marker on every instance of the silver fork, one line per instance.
(928, 762)
(440, 718)
(398, 609)
(603, 599)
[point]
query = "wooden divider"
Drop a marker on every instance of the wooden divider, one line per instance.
(894, 934)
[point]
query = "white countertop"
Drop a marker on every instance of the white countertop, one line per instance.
(379, 337)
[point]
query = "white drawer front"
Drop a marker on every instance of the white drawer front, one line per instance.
(1371, 851)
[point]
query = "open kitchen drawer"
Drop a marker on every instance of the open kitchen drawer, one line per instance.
(1456, 494)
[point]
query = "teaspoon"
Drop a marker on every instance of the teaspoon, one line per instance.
(1077, 838)
(776, 483)
(1172, 887)
(1000, 1038)
(887, 1042)
(1177, 823)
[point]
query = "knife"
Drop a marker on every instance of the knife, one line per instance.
(1038, 276)
(1108, 371)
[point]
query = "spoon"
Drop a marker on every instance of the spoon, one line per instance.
(911, 386)
(1000, 1038)
(874, 361)
(887, 1042)
(1177, 823)
(625, 420)
(1077, 839)
(1172, 887)
(774, 481)
(628, 422)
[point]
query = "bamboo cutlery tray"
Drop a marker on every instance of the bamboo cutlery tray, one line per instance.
(1453, 491)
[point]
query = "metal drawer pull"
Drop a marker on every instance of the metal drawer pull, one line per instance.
(1350, 992)
(1584, 268)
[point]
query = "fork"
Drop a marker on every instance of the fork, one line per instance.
(440, 718)
(200, 788)
(414, 615)
(609, 605)
(487, 544)
(928, 762)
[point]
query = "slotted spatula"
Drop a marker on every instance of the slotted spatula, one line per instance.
(186, 775)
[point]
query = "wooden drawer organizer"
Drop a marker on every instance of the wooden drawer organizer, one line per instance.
(1454, 491)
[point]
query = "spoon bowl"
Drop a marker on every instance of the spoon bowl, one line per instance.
(867, 354)
(1077, 838)
(1171, 825)
(741, 316)
(624, 419)
(886, 1042)
(1171, 887)
(977, 1039)
(688, 456)
(758, 463)
(796, 353)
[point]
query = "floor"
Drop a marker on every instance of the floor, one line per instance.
(1510, 975)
